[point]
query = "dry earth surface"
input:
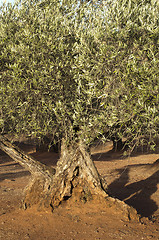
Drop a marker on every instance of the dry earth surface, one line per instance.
(134, 180)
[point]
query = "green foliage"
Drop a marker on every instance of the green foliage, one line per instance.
(68, 66)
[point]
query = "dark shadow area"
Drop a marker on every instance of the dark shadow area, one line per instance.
(108, 156)
(9, 165)
(137, 194)
(12, 176)
(141, 152)
(24, 146)
(13, 164)
(4, 158)
(47, 158)
(107, 151)
(2, 153)
(112, 155)
(6, 161)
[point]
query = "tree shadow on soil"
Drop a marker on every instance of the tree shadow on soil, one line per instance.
(13, 164)
(112, 155)
(47, 158)
(108, 156)
(9, 165)
(137, 194)
(4, 158)
(12, 176)
(14, 170)
(106, 152)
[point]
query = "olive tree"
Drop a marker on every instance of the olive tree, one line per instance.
(128, 61)
(47, 89)
(76, 71)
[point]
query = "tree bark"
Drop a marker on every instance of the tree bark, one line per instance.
(76, 177)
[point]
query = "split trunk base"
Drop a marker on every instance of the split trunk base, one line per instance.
(76, 177)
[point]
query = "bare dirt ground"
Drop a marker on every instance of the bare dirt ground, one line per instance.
(134, 180)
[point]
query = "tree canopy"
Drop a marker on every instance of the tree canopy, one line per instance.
(79, 69)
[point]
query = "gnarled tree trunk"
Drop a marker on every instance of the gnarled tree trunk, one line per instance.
(75, 176)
